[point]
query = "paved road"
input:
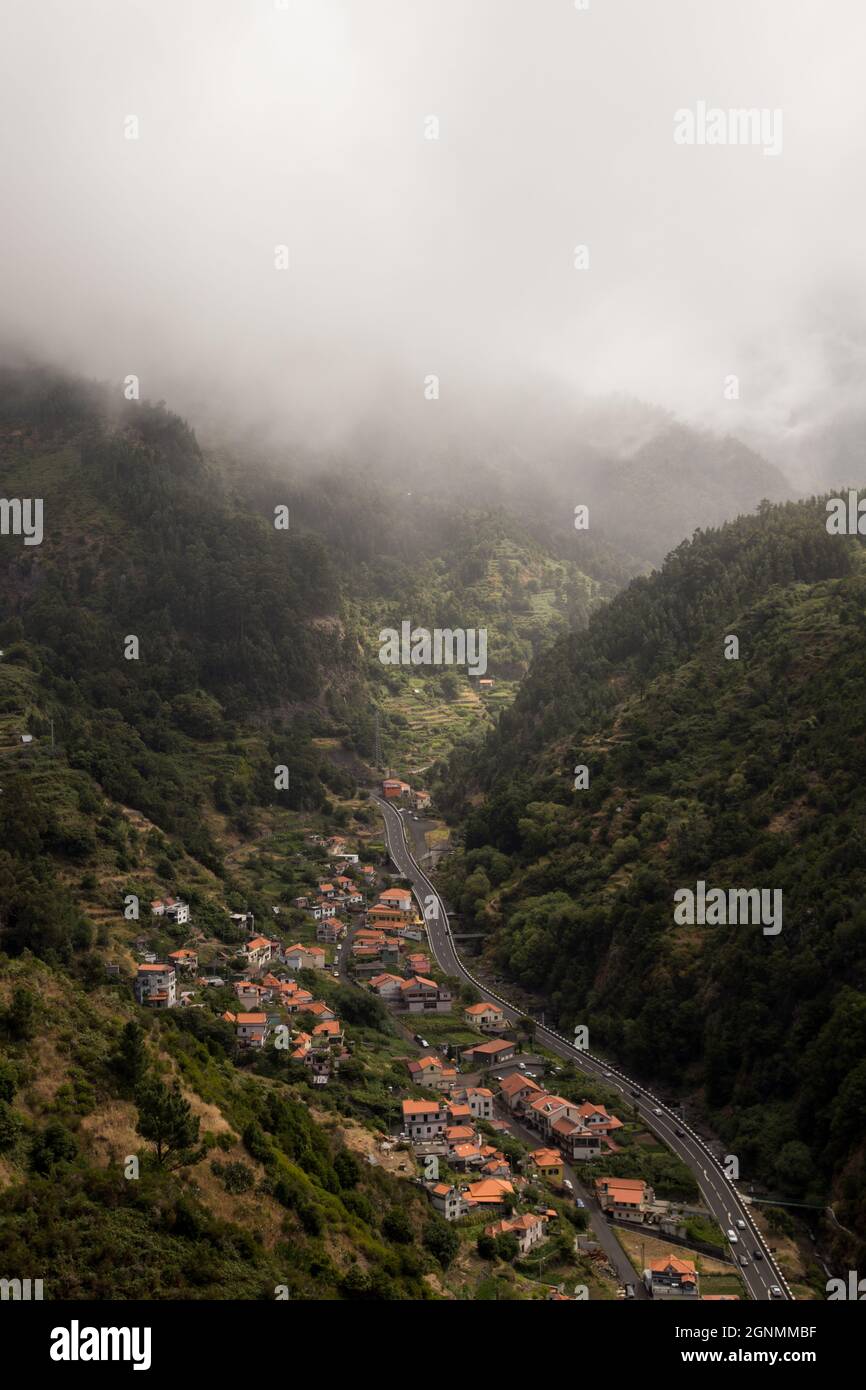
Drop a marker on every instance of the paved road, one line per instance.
(718, 1192)
(598, 1224)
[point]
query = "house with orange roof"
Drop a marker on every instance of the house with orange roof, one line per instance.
(625, 1197)
(495, 1164)
(459, 1134)
(420, 995)
(489, 1192)
(575, 1140)
(596, 1118)
(300, 957)
(459, 1113)
(424, 1071)
(301, 1044)
(465, 1155)
(432, 1072)
(418, 963)
(366, 936)
(393, 788)
(257, 951)
(544, 1110)
(424, 1119)
(447, 1200)
(251, 1030)
(549, 1163)
(529, 1230)
(384, 916)
(517, 1091)
(320, 1011)
(249, 993)
(184, 959)
(329, 1033)
(672, 1277)
(295, 1001)
(479, 1099)
(488, 1017)
(400, 898)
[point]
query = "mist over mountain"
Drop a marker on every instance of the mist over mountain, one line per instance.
(418, 426)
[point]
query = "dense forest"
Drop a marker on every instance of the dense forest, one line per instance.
(743, 772)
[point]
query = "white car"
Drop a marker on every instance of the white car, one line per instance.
(741, 1224)
(732, 1236)
(657, 1111)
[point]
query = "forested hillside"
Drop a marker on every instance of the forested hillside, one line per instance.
(741, 773)
(149, 769)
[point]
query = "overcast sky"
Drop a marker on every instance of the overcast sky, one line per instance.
(305, 126)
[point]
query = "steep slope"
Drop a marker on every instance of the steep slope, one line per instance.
(742, 773)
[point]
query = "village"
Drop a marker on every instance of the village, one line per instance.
(479, 1120)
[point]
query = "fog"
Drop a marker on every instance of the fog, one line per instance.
(305, 125)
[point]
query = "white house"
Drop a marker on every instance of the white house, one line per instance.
(156, 986)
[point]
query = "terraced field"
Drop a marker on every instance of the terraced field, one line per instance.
(426, 726)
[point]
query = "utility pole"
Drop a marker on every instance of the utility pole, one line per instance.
(377, 750)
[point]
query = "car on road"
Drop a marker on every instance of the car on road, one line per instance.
(758, 1254)
(741, 1223)
(635, 1093)
(680, 1133)
(744, 1259)
(732, 1235)
(657, 1111)
(579, 1202)
(568, 1184)
(629, 1291)
(608, 1073)
(775, 1291)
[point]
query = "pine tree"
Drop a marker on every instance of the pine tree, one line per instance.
(166, 1120)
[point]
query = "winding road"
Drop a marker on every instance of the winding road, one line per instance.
(718, 1192)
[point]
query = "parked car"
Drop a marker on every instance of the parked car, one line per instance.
(629, 1291)
(568, 1185)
